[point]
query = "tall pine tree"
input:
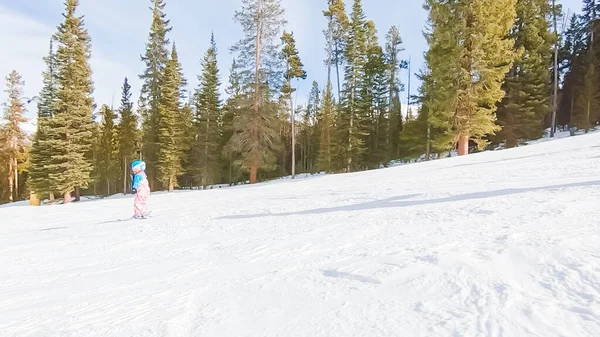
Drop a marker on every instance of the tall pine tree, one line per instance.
(208, 118)
(155, 60)
(107, 160)
(256, 134)
(375, 100)
(336, 33)
(170, 132)
(39, 181)
(128, 134)
(586, 97)
(326, 129)
(574, 45)
(352, 129)
(294, 70)
(470, 54)
(71, 127)
(393, 48)
(12, 131)
(527, 102)
(231, 112)
(310, 132)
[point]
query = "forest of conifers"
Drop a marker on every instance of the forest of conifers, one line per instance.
(489, 79)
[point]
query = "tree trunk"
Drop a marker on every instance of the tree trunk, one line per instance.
(463, 145)
(124, 175)
(293, 140)
(67, 198)
(587, 117)
(77, 193)
(329, 170)
(256, 103)
(352, 92)
(230, 169)
(428, 145)
(329, 45)
(171, 184)
(10, 181)
(511, 140)
(337, 71)
(16, 169)
(253, 174)
(51, 198)
(205, 171)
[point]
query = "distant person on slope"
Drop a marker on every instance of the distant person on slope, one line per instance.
(141, 188)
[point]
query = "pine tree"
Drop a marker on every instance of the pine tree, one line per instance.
(12, 132)
(127, 133)
(326, 122)
(4, 188)
(231, 112)
(522, 112)
(208, 121)
(375, 99)
(294, 69)
(471, 51)
(352, 128)
(337, 31)
(71, 127)
(155, 60)
(170, 133)
(572, 50)
(586, 103)
(256, 135)
(310, 139)
(39, 181)
(107, 160)
(188, 133)
(393, 49)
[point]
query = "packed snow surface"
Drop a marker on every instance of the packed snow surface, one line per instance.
(502, 243)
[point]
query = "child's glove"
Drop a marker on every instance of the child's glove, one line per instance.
(133, 191)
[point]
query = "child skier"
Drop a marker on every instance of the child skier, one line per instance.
(140, 188)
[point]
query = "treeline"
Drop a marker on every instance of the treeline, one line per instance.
(488, 79)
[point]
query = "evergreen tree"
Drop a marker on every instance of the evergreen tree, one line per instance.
(352, 128)
(107, 160)
(170, 133)
(231, 112)
(375, 100)
(337, 31)
(572, 50)
(4, 188)
(395, 126)
(127, 134)
(256, 134)
(70, 129)
(294, 69)
(586, 104)
(41, 152)
(188, 133)
(155, 60)
(527, 102)
(326, 122)
(470, 53)
(310, 132)
(208, 121)
(12, 133)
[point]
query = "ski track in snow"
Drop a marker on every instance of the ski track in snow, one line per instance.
(494, 244)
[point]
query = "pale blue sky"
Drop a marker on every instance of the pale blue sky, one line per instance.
(119, 30)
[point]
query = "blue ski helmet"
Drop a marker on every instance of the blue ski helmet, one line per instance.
(138, 165)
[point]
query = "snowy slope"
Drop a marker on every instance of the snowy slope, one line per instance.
(500, 243)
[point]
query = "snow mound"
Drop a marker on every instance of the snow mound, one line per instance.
(493, 244)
